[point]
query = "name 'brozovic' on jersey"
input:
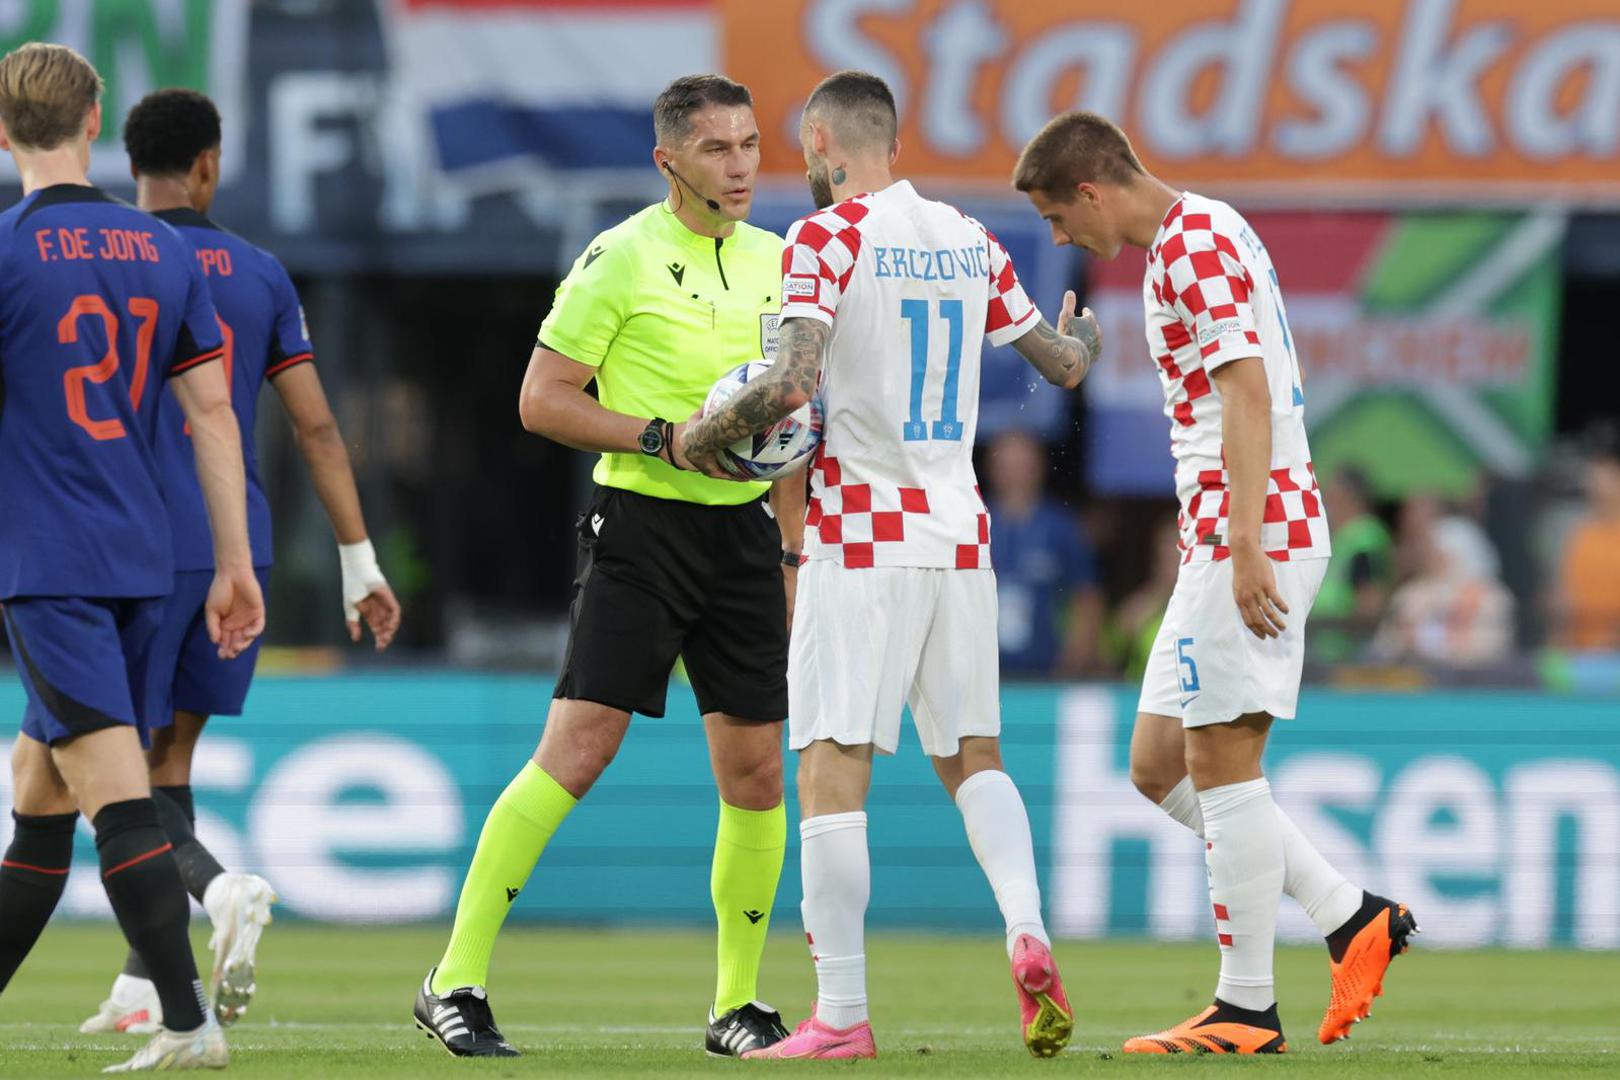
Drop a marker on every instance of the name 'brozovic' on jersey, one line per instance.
(1212, 297)
(911, 289)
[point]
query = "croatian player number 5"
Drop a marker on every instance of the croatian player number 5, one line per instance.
(1189, 669)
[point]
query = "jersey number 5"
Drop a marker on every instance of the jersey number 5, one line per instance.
(947, 427)
(75, 378)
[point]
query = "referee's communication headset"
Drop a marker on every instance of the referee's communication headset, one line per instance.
(713, 206)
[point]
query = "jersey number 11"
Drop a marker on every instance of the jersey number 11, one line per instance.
(947, 427)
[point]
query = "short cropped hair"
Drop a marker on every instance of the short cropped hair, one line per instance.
(859, 107)
(1076, 148)
(46, 91)
(672, 111)
(167, 129)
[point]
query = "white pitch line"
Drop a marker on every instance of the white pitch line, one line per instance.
(247, 1038)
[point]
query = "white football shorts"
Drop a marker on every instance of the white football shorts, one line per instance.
(867, 642)
(1208, 668)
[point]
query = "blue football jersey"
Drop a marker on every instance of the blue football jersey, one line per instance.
(265, 335)
(99, 304)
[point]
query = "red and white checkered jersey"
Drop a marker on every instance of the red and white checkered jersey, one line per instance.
(1212, 297)
(911, 289)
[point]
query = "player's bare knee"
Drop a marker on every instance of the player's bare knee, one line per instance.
(579, 742)
(575, 764)
(1153, 779)
(747, 761)
(169, 760)
(975, 754)
(105, 766)
(833, 779)
(578, 765)
(1221, 754)
(173, 747)
(1158, 755)
(754, 784)
(36, 787)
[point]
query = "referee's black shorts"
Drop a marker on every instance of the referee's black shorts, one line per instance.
(660, 578)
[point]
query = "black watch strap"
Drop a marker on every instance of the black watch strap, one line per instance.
(669, 442)
(654, 436)
(792, 558)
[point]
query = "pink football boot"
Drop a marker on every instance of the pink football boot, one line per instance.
(813, 1039)
(1047, 1020)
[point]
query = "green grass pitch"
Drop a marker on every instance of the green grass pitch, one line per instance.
(336, 1003)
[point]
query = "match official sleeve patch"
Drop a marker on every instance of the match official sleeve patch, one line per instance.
(770, 333)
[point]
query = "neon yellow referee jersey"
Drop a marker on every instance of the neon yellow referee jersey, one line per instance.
(661, 313)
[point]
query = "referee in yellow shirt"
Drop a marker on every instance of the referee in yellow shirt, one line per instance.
(671, 563)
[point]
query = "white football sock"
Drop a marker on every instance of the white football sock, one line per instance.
(1243, 847)
(998, 831)
(837, 885)
(1321, 890)
(1310, 879)
(1182, 805)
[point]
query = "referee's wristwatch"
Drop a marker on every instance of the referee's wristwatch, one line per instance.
(658, 438)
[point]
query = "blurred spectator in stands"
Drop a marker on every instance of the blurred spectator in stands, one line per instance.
(1051, 606)
(1362, 572)
(1587, 613)
(1454, 611)
(1414, 524)
(1128, 636)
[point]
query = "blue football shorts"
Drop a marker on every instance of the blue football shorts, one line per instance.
(189, 675)
(85, 663)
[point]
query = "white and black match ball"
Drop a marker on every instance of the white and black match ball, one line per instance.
(778, 450)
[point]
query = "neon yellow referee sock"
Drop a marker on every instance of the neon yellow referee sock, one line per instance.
(515, 833)
(748, 852)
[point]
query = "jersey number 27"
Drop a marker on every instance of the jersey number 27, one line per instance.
(74, 379)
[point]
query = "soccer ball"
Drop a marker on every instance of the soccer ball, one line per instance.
(777, 451)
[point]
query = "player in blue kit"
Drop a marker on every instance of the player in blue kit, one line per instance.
(100, 307)
(173, 140)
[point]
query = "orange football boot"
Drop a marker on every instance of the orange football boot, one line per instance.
(1219, 1029)
(1360, 953)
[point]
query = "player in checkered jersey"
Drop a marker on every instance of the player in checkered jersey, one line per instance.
(1255, 547)
(887, 300)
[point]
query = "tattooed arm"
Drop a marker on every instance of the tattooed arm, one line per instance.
(791, 381)
(1064, 355)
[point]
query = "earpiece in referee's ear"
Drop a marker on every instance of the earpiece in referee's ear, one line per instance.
(684, 182)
